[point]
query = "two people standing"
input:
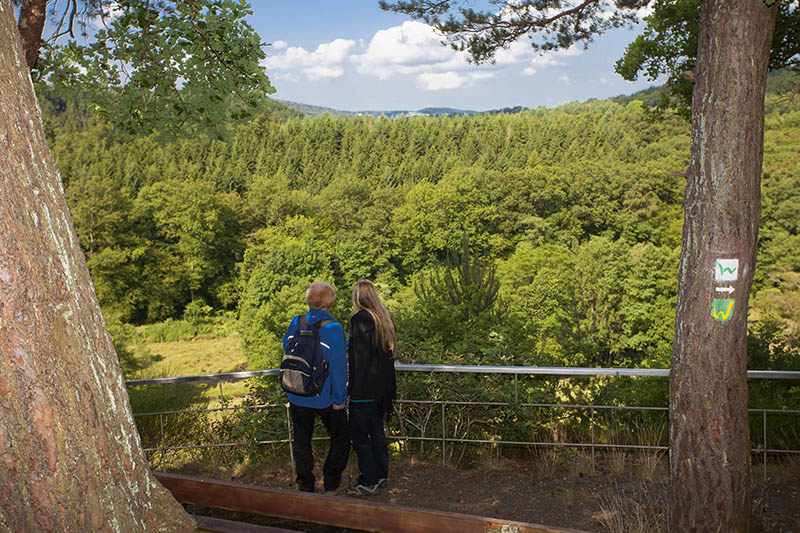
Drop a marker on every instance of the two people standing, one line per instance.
(371, 389)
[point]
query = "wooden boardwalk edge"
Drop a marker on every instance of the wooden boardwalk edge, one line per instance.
(207, 524)
(334, 510)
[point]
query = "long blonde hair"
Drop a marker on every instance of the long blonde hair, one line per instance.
(366, 297)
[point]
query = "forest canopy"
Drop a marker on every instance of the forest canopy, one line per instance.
(577, 211)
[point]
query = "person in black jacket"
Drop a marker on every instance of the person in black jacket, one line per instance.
(371, 386)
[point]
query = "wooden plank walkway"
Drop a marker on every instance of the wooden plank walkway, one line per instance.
(207, 524)
(335, 510)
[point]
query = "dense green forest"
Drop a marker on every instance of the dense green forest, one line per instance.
(567, 219)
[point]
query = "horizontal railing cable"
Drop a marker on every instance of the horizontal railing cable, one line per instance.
(445, 440)
(467, 369)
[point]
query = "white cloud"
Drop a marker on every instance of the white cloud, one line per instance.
(322, 72)
(284, 76)
(645, 11)
(439, 81)
(550, 59)
(416, 49)
(538, 63)
(520, 51)
(412, 48)
(295, 62)
(606, 10)
(436, 81)
(564, 79)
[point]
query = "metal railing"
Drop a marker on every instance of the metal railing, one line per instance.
(444, 440)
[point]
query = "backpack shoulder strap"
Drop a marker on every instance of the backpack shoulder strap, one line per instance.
(302, 323)
(322, 323)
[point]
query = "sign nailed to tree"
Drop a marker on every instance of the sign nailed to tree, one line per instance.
(722, 309)
(726, 270)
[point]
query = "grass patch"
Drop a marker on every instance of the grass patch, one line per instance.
(639, 512)
(197, 356)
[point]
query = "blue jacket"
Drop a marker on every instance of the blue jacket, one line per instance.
(333, 350)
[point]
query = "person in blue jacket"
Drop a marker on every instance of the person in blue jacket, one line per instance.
(329, 404)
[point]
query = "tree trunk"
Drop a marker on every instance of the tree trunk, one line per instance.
(32, 15)
(70, 456)
(709, 428)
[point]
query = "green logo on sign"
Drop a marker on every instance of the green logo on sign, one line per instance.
(722, 309)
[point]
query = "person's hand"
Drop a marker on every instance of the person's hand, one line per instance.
(339, 406)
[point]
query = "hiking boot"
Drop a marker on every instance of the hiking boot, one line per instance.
(362, 490)
(382, 482)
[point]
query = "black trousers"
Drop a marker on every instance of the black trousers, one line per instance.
(369, 441)
(335, 422)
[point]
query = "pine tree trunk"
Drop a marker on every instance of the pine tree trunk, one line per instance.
(709, 430)
(70, 456)
(32, 16)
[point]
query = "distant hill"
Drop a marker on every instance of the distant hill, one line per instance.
(315, 111)
(445, 111)
(648, 96)
(781, 81)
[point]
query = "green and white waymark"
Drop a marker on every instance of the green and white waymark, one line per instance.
(726, 270)
(722, 309)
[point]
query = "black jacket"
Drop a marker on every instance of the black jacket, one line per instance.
(370, 368)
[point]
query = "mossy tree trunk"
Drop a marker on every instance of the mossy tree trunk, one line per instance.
(709, 430)
(70, 456)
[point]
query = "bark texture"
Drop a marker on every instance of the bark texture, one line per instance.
(32, 15)
(709, 428)
(70, 456)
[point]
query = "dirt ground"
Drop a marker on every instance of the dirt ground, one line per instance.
(604, 502)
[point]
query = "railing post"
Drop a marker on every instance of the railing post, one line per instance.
(591, 416)
(163, 451)
(516, 391)
(764, 413)
(291, 441)
(221, 397)
(444, 436)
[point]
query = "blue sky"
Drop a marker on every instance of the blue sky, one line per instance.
(350, 55)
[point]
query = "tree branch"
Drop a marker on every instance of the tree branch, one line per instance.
(217, 55)
(520, 27)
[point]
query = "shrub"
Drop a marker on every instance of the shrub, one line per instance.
(199, 321)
